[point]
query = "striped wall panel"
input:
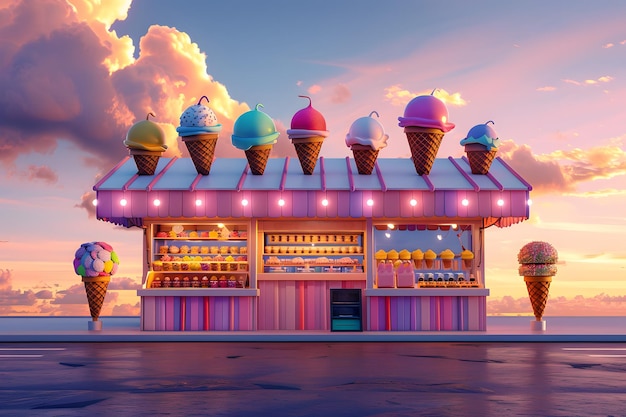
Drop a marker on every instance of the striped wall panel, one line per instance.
(298, 305)
(198, 313)
(408, 313)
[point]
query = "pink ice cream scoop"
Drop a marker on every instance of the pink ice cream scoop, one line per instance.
(307, 133)
(426, 111)
(425, 121)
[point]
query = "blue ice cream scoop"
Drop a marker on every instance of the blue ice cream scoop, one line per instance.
(482, 134)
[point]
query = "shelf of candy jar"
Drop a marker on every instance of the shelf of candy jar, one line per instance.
(191, 248)
(312, 238)
(200, 232)
(197, 280)
(299, 264)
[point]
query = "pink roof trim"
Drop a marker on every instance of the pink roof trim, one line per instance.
(111, 172)
(322, 174)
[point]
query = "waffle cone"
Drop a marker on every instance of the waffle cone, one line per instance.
(365, 158)
(538, 289)
(424, 144)
(96, 289)
(257, 158)
(201, 149)
(308, 150)
(480, 160)
(146, 161)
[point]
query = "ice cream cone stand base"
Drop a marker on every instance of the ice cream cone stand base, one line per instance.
(538, 325)
(94, 325)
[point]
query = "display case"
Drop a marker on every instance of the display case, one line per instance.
(198, 256)
(303, 252)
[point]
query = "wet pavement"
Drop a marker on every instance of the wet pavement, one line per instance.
(313, 379)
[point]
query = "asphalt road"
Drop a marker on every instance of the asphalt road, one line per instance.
(312, 379)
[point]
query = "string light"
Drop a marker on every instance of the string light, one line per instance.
(244, 202)
(465, 202)
(123, 202)
(325, 202)
(156, 202)
(413, 202)
(370, 202)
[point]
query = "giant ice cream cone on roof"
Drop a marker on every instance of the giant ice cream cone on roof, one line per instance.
(425, 122)
(145, 141)
(199, 130)
(365, 138)
(538, 266)
(307, 133)
(95, 262)
(481, 146)
(255, 133)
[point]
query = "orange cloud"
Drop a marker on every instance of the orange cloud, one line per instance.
(603, 79)
(561, 171)
(546, 88)
(398, 96)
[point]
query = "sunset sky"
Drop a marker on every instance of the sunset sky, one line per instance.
(76, 74)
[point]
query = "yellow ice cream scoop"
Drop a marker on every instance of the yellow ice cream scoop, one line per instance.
(146, 135)
(446, 254)
(417, 254)
(467, 254)
(380, 255)
(392, 255)
(405, 255)
(430, 254)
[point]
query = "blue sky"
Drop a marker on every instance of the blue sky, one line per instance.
(78, 73)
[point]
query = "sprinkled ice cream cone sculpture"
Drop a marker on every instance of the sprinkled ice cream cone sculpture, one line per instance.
(145, 141)
(307, 134)
(95, 262)
(481, 146)
(425, 122)
(199, 130)
(255, 133)
(365, 138)
(538, 266)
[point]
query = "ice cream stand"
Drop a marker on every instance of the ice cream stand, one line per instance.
(235, 251)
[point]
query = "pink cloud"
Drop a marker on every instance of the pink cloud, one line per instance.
(314, 89)
(43, 173)
(341, 94)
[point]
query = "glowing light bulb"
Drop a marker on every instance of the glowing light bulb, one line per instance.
(465, 202)
(220, 225)
(281, 202)
(198, 202)
(387, 235)
(439, 237)
(454, 226)
(500, 202)
(244, 202)
(324, 202)
(370, 202)
(156, 202)
(391, 226)
(413, 202)
(123, 202)
(94, 202)
(529, 202)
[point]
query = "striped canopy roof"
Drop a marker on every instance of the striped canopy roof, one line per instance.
(335, 190)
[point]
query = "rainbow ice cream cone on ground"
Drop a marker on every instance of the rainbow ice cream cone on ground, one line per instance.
(425, 122)
(95, 262)
(481, 146)
(307, 134)
(199, 130)
(538, 266)
(255, 133)
(145, 141)
(365, 138)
